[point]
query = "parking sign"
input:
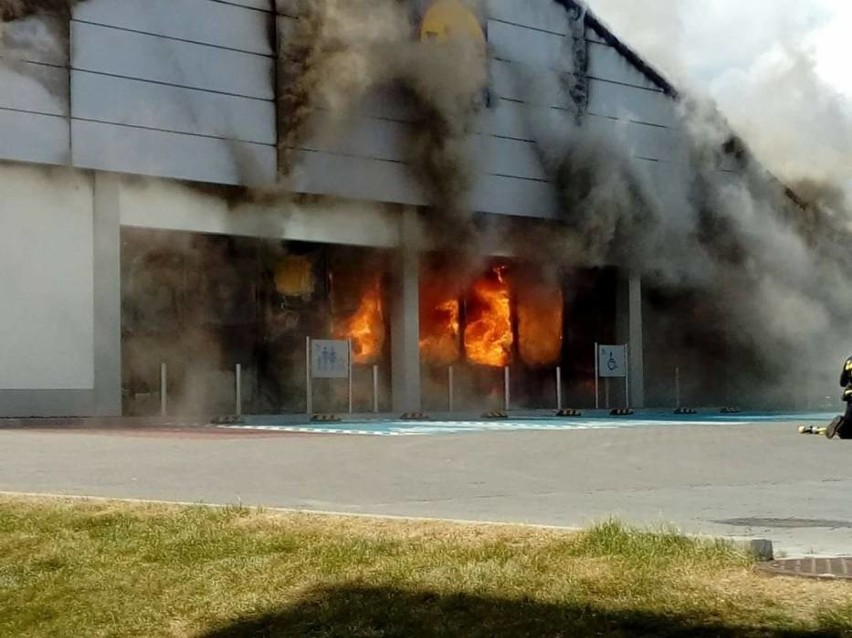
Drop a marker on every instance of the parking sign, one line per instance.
(612, 361)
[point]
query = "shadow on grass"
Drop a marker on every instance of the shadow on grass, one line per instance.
(385, 612)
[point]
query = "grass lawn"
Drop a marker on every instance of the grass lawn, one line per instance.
(72, 568)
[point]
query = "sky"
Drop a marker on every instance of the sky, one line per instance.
(779, 70)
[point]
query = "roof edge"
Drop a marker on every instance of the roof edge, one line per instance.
(611, 39)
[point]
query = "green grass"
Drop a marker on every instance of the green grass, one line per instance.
(71, 568)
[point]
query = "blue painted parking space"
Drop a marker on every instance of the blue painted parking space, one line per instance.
(396, 427)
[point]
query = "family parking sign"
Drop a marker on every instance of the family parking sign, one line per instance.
(329, 359)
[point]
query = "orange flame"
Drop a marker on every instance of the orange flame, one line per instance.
(366, 327)
(488, 336)
(540, 326)
(439, 328)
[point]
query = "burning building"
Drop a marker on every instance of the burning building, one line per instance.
(208, 184)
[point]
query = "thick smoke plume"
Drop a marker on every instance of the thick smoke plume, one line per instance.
(11, 10)
(762, 266)
(17, 9)
(341, 51)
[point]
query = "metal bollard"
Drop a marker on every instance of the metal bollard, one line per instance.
(558, 388)
(506, 388)
(376, 389)
(238, 389)
(164, 383)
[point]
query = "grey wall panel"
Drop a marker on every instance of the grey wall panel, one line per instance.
(520, 44)
(46, 257)
(169, 108)
(521, 82)
(542, 51)
(545, 15)
(626, 102)
(156, 153)
(322, 173)
(356, 178)
(258, 5)
(605, 63)
(508, 158)
(512, 120)
(145, 57)
(664, 144)
(34, 87)
(205, 21)
(387, 103)
(29, 137)
(360, 136)
(386, 140)
(643, 141)
(591, 36)
(508, 196)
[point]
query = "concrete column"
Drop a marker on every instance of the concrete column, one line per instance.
(629, 328)
(107, 294)
(405, 317)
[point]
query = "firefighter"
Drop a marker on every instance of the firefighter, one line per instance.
(841, 426)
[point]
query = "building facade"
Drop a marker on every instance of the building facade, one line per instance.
(158, 208)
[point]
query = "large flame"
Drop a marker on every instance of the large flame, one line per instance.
(366, 328)
(540, 326)
(439, 332)
(488, 335)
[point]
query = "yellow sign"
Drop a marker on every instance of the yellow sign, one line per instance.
(447, 19)
(294, 276)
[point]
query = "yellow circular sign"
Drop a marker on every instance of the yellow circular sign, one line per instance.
(448, 19)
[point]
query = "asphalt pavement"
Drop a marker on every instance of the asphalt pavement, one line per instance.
(745, 480)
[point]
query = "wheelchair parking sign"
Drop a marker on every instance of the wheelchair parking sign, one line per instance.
(612, 362)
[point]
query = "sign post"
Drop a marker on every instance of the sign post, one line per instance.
(349, 357)
(376, 389)
(597, 377)
(558, 388)
(164, 389)
(309, 404)
(238, 389)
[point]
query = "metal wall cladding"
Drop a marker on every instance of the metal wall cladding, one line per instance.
(188, 90)
(174, 89)
(34, 93)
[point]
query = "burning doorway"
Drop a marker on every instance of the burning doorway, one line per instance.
(509, 314)
(202, 304)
